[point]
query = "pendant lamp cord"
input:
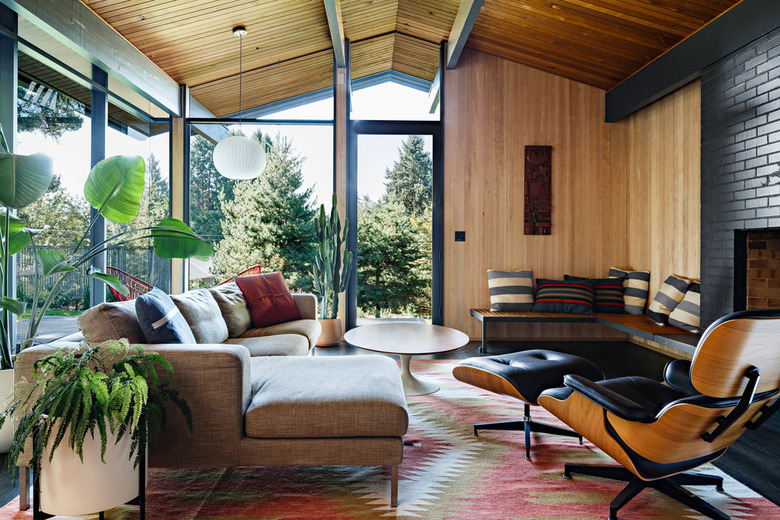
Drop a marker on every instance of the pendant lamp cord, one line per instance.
(240, 69)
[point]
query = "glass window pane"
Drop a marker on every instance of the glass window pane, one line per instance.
(391, 101)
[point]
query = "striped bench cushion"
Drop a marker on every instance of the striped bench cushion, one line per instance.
(511, 290)
(686, 315)
(571, 297)
(667, 298)
(636, 285)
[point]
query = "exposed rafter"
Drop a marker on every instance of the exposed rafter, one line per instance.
(333, 10)
(79, 28)
(461, 28)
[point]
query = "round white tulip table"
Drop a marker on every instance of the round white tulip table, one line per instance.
(406, 340)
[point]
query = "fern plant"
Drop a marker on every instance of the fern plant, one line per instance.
(74, 393)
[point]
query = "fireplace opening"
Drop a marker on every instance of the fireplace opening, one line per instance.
(756, 269)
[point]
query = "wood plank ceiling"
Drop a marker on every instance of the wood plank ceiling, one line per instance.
(287, 50)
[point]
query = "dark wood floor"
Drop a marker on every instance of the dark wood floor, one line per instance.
(753, 459)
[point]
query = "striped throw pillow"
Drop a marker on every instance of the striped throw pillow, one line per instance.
(511, 290)
(667, 298)
(571, 297)
(686, 315)
(608, 294)
(636, 285)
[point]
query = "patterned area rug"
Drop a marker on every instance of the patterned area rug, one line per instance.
(447, 473)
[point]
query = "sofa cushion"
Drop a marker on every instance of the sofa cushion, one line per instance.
(277, 345)
(666, 299)
(232, 304)
(325, 397)
(310, 329)
(111, 321)
(511, 290)
(161, 320)
(268, 298)
(203, 315)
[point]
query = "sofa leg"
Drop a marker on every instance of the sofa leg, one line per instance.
(24, 488)
(394, 485)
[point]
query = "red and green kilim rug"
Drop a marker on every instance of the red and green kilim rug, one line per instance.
(447, 473)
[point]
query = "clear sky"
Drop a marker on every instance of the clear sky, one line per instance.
(314, 143)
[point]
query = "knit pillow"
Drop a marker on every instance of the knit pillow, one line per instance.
(511, 290)
(666, 299)
(233, 307)
(571, 297)
(686, 315)
(636, 285)
(203, 315)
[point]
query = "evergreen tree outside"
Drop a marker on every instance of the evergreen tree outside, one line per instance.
(269, 220)
(410, 180)
(395, 238)
(64, 116)
(62, 217)
(206, 184)
(389, 258)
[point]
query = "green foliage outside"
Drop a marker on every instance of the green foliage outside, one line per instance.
(269, 220)
(206, 184)
(64, 116)
(394, 238)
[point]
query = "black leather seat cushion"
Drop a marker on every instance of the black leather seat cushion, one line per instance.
(533, 371)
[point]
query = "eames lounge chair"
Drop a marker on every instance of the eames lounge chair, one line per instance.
(658, 431)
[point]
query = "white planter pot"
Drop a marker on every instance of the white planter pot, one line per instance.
(70, 487)
(6, 393)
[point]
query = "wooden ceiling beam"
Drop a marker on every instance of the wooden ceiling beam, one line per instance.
(461, 28)
(333, 10)
(79, 28)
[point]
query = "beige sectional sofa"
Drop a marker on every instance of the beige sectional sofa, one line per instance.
(257, 399)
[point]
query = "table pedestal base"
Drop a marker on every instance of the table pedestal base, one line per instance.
(412, 385)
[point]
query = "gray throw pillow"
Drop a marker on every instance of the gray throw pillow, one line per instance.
(232, 304)
(111, 321)
(202, 314)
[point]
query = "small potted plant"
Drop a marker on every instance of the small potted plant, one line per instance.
(89, 414)
(330, 275)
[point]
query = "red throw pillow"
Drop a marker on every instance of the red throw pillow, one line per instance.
(268, 298)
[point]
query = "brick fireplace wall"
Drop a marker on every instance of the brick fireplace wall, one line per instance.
(763, 269)
(740, 162)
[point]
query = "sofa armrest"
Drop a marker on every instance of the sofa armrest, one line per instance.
(307, 305)
(215, 381)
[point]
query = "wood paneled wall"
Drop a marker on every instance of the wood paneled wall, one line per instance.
(612, 185)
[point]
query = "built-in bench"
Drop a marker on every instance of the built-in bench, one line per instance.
(633, 324)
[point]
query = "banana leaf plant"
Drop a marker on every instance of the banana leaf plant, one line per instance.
(114, 188)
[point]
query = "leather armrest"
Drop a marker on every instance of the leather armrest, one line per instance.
(677, 374)
(608, 399)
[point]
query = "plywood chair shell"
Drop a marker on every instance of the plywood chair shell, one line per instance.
(487, 380)
(684, 423)
(729, 349)
(587, 418)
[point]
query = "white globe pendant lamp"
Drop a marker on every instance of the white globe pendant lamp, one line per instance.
(239, 157)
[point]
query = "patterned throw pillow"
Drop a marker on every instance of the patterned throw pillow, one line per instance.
(161, 320)
(571, 297)
(608, 294)
(636, 285)
(667, 298)
(511, 290)
(268, 298)
(686, 315)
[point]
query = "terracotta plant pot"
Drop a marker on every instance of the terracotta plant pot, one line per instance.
(332, 333)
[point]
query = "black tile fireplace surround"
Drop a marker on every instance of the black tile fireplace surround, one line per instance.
(740, 164)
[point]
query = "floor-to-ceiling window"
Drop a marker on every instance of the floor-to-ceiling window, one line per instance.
(266, 221)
